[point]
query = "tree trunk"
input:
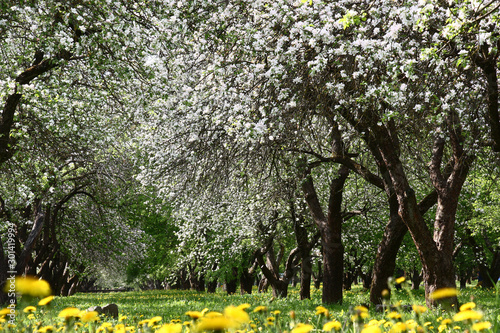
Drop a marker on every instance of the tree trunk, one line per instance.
(330, 228)
(385, 261)
(490, 274)
(212, 286)
(318, 278)
(246, 282)
(416, 278)
(304, 247)
(232, 282)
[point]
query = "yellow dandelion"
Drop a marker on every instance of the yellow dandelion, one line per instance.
(29, 309)
(398, 327)
(371, 329)
(89, 316)
(411, 324)
(400, 280)
(45, 329)
(321, 310)
(122, 318)
(260, 308)
(170, 328)
(31, 316)
(4, 311)
(153, 321)
(212, 314)
(419, 309)
(243, 306)
(32, 286)
(143, 322)
(332, 325)
(69, 313)
(444, 293)
(194, 314)
(275, 312)
(446, 321)
(46, 300)
(467, 306)
(484, 325)
(236, 314)
(217, 323)
(467, 315)
(302, 328)
(361, 308)
(394, 315)
(120, 328)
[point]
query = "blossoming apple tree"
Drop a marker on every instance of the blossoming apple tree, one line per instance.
(262, 78)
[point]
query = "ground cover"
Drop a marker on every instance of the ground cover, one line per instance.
(177, 311)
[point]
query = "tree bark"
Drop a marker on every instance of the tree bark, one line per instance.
(304, 247)
(385, 261)
(488, 65)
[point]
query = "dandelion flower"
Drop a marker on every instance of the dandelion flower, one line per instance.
(46, 300)
(322, 311)
(360, 313)
(170, 328)
(302, 328)
(212, 314)
(419, 309)
(153, 321)
(4, 311)
(444, 293)
(371, 329)
(219, 323)
(484, 325)
(332, 325)
(32, 286)
(69, 313)
(243, 306)
(398, 327)
(45, 329)
(236, 314)
(446, 321)
(361, 308)
(120, 328)
(467, 306)
(89, 316)
(394, 315)
(400, 280)
(29, 309)
(260, 308)
(194, 314)
(468, 315)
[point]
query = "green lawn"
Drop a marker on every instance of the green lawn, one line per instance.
(172, 305)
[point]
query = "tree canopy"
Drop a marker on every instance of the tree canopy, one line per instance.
(189, 135)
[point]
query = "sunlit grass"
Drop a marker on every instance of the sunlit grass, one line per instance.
(170, 311)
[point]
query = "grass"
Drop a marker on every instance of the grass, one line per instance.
(172, 306)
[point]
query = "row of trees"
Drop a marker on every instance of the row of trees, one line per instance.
(347, 124)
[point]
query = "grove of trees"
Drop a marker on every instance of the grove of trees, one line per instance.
(182, 144)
